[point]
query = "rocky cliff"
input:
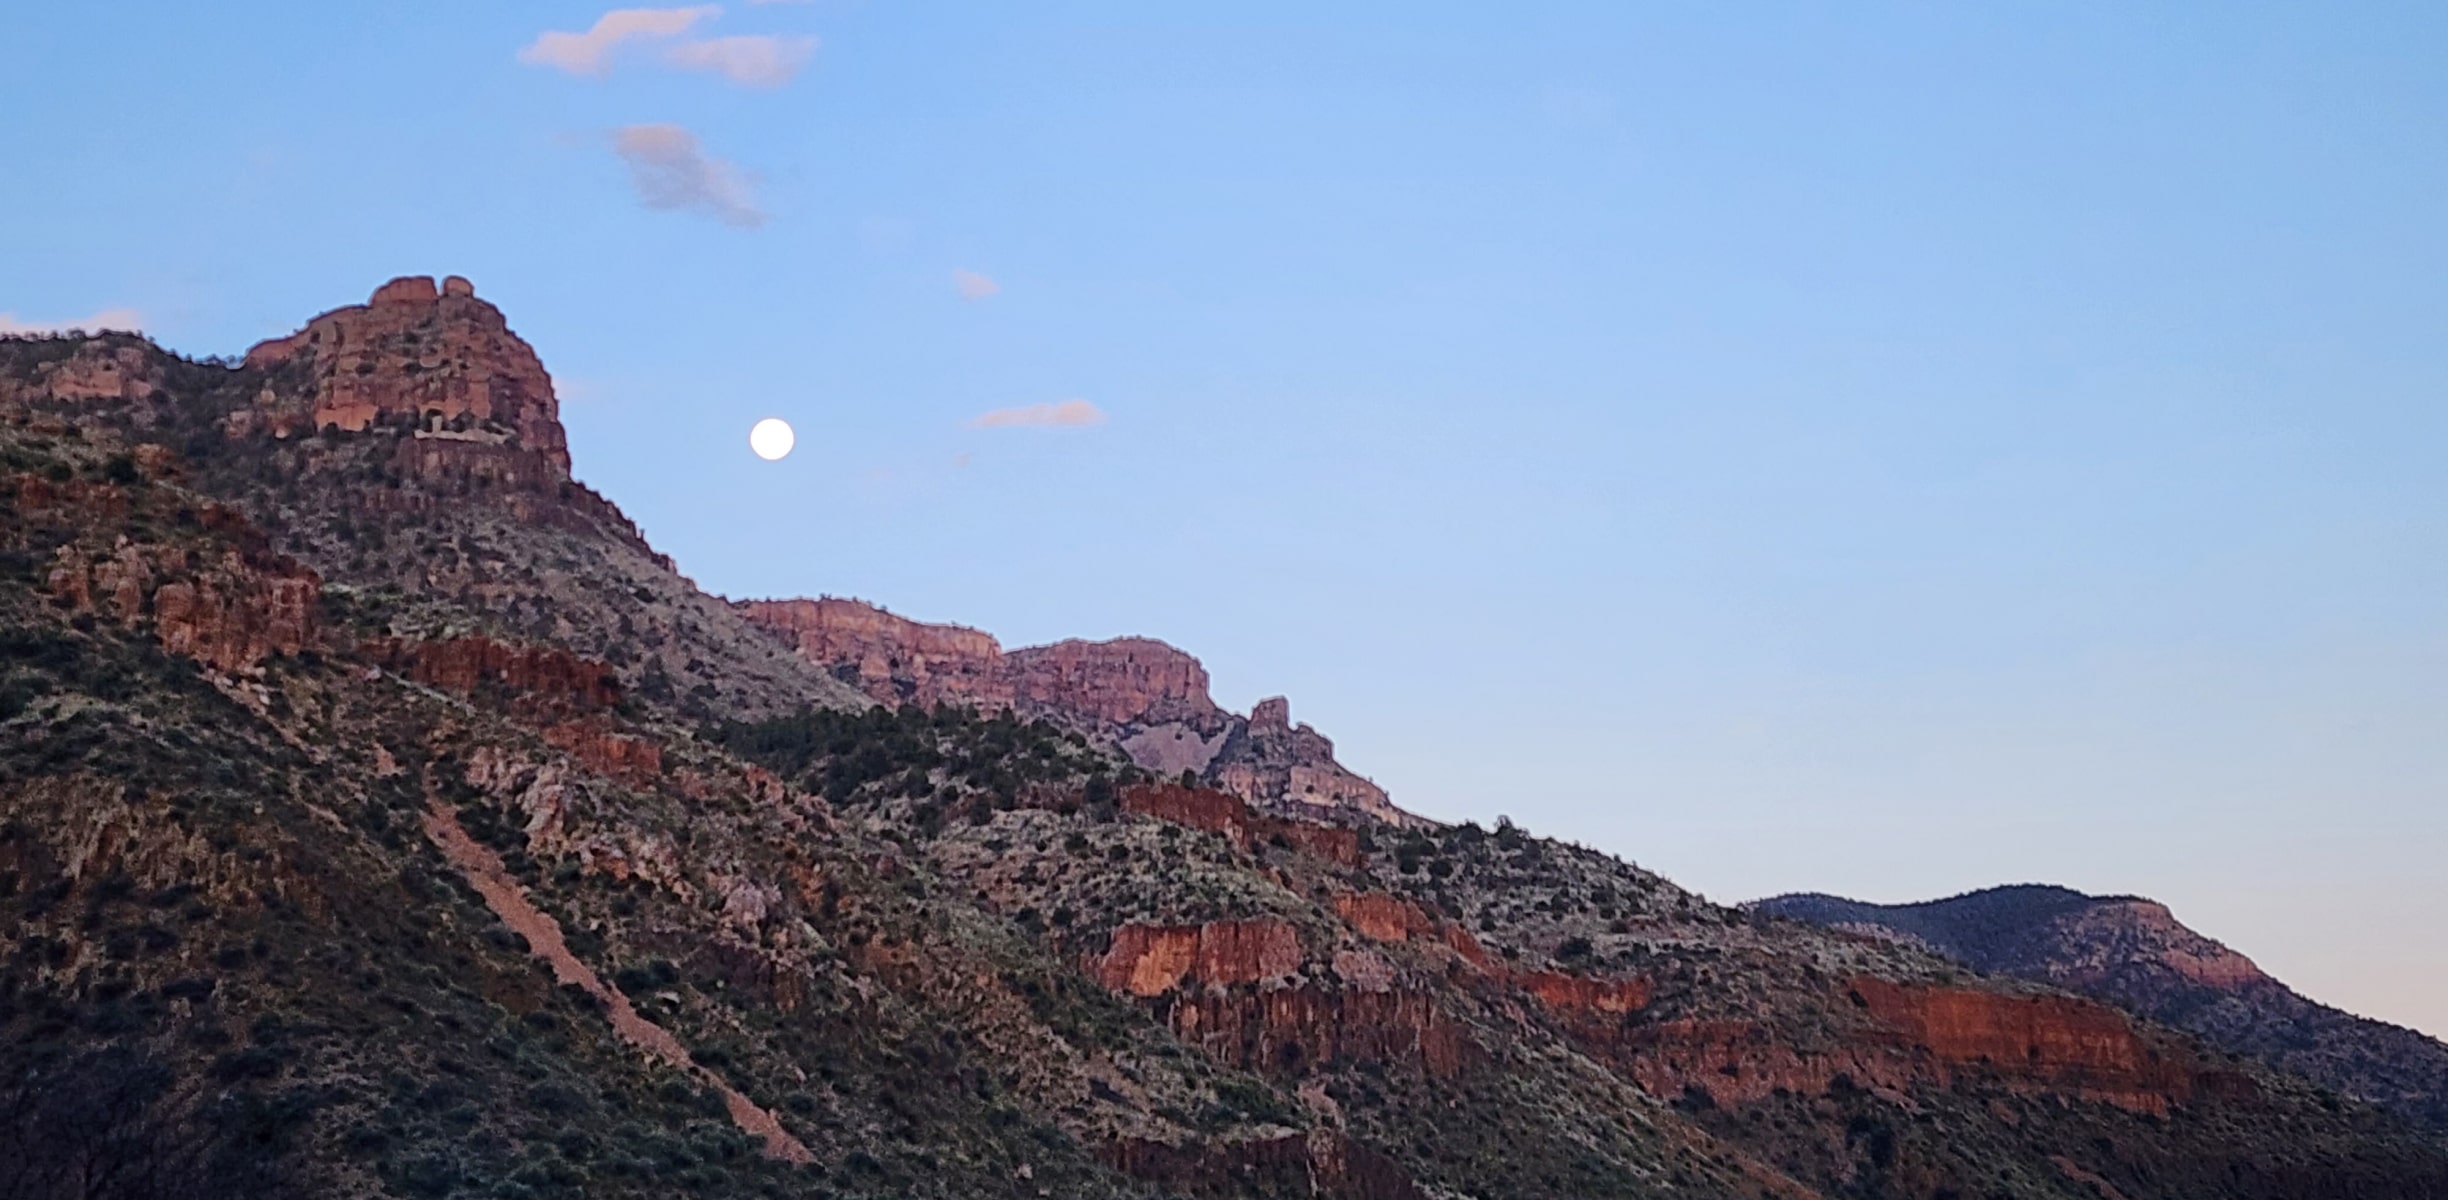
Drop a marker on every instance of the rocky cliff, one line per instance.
(2134, 953)
(384, 823)
(435, 361)
(1141, 695)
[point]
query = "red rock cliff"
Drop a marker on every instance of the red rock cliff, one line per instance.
(1149, 960)
(891, 658)
(2062, 1041)
(437, 360)
(1916, 1034)
(1227, 814)
(230, 611)
(464, 664)
(1126, 681)
(1149, 698)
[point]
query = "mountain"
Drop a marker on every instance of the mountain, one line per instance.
(380, 815)
(2133, 953)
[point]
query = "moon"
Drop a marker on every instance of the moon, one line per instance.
(772, 438)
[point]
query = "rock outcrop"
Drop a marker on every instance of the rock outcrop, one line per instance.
(1132, 682)
(230, 611)
(1383, 917)
(1146, 697)
(466, 664)
(1269, 756)
(1150, 960)
(1913, 1035)
(100, 371)
(437, 361)
(613, 755)
(2134, 953)
(2059, 1043)
(891, 658)
(1230, 815)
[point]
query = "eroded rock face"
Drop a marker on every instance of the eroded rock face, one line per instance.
(1292, 1031)
(1143, 695)
(1383, 917)
(1220, 812)
(230, 611)
(614, 755)
(1918, 1034)
(1585, 998)
(1236, 990)
(1126, 681)
(464, 664)
(437, 361)
(2097, 942)
(2060, 1042)
(2135, 954)
(1150, 960)
(98, 371)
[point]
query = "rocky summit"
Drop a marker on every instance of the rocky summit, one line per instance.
(380, 815)
(2135, 954)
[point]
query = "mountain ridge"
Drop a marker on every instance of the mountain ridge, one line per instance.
(2131, 951)
(1147, 697)
(370, 797)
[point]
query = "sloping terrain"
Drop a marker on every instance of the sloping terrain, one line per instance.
(379, 815)
(2133, 953)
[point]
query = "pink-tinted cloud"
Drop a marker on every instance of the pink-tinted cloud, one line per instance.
(590, 53)
(760, 60)
(123, 320)
(974, 285)
(672, 172)
(1067, 413)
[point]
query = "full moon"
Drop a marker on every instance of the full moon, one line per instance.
(772, 438)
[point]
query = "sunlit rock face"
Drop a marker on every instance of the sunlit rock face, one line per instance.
(1144, 696)
(229, 613)
(435, 359)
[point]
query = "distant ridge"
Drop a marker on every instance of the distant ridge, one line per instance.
(2132, 952)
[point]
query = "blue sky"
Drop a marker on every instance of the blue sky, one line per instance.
(1883, 449)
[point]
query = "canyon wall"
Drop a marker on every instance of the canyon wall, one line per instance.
(1144, 696)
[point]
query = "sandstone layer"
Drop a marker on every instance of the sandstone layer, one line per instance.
(435, 360)
(2134, 953)
(1144, 696)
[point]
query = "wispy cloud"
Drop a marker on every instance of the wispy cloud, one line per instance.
(125, 320)
(1066, 413)
(974, 285)
(759, 60)
(672, 172)
(590, 53)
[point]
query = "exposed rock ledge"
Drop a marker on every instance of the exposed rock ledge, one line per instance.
(1144, 696)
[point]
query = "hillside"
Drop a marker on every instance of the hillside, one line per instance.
(2133, 953)
(381, 815)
